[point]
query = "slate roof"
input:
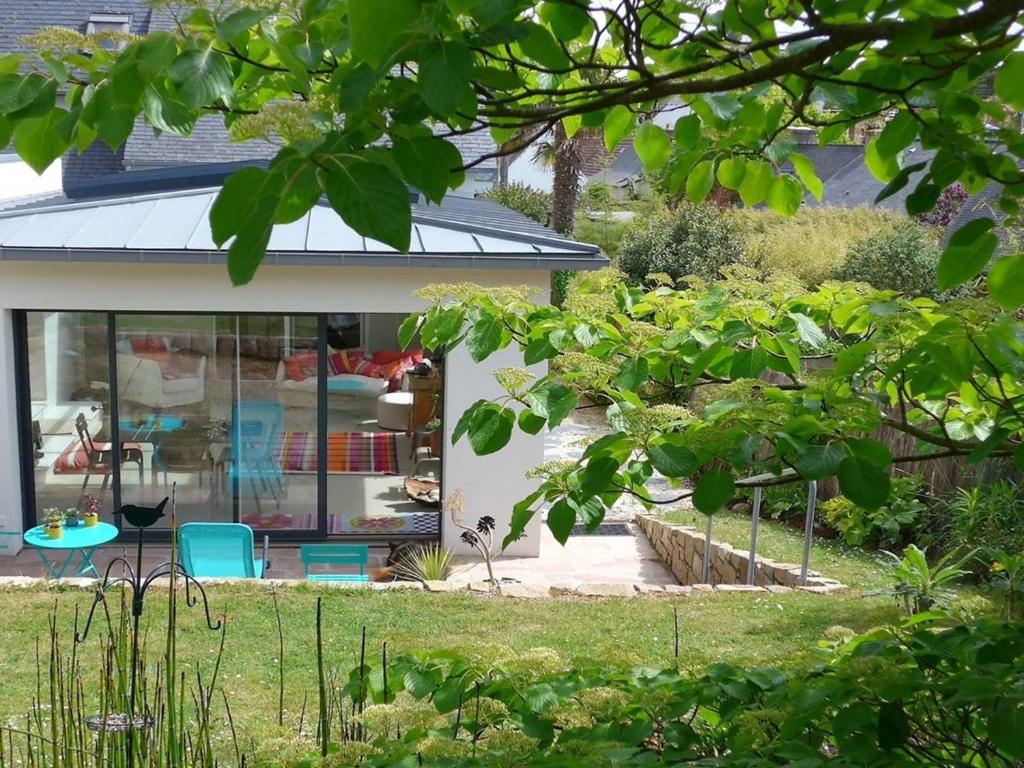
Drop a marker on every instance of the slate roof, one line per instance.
(163, 216)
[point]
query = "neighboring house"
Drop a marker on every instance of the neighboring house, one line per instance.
(129, 366)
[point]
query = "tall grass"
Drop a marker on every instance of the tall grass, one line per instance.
(813, 244)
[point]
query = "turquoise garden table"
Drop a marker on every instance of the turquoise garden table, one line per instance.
(81, 540)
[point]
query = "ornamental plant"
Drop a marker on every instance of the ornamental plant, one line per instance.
(801, 379)
(362, 98)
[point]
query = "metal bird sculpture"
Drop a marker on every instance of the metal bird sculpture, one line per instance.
(142, 517)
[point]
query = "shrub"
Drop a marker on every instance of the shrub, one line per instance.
(902, 260)
(896, 522)
(523, 199)
(693, 240)
(986, 516)
(811, 245)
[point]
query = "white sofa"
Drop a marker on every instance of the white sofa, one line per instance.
(140, 380)
(302, 394)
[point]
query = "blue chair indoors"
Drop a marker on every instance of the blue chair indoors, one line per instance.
(221, 550)
(257, 428)
(351, 556)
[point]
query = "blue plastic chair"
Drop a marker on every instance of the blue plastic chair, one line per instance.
(221, 550)
(352, 555)
(256, 428)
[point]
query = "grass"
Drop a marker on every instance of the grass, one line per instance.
(740, 628)
(854, 567)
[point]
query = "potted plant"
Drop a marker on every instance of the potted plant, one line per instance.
(72, 518)
(433, 428)
(91, 511)
(54, 525)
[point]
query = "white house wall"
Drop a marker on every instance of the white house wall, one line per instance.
(492, 484)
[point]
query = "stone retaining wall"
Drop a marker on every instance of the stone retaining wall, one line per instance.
(681, 548)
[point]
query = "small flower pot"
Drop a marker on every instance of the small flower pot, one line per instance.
(90, 520)
(72, 522)
(54, 531)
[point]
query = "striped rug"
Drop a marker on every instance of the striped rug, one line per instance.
(368, 453)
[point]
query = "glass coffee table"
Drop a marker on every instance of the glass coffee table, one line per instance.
(81, 541)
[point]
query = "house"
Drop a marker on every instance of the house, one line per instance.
(131, 368)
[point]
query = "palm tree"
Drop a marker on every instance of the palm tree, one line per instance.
(564, 156)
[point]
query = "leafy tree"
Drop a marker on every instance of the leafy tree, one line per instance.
(902, 260)
(802, 380)
(366, 93)
(524, 199)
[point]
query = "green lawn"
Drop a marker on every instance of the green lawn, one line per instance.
(741, 628)
(854, 567)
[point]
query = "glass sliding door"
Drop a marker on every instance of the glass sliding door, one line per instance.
(69, 411)
(174, 397)
(275, 425)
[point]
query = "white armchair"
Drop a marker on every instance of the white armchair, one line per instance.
(141, 380)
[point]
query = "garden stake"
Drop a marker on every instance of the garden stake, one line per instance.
(140, 518)
(675, 620)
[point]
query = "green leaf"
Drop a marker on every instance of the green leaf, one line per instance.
(426, 164)
(730, 172)
(234, 24)
(713, 491)
(618, 124)
(41, 140)
(371, 200)
(444, 75)
(967, 254)
(870, 449)
(724, 106)
(805, 172)
(898, 134)
(700, 180)
(407, 330)
(757, 178)
(462, 426)
(490, 428)
(816, 462)
(687, 131)
(539, 45)
(561, 519)
(671, 457)
(1006, 727)
(566, 21)
(484, 337)
(597, 475)
(377, 25)
(166, 113)
(17, 92)
(301, 186)
(652, 146)
(632, 374)
(522, 514)
(808, 330)
(883, 168)
(442, 326)
(893, 725)
(1009, 81)
(785, 194)
(202, 76)
(1006, 282)
(552, 400)
(245, 209)
(863, 482)
(530, 422)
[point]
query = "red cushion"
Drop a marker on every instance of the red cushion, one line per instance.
(384, 357)
(300, 367)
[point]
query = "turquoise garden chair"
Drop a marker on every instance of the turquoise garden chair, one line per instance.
(221, 550)
(354, 556)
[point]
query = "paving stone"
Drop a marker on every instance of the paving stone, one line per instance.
(439, 586)
(702, 588)
(678, 589)
(825, 589)
(738, 588)
(480, 586)
(526, 591)
(777, 588)
(21, 581)
(606, 590)
(649, 589)
(388, 585)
